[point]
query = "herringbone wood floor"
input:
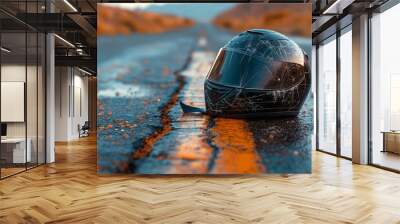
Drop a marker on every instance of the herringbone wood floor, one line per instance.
(70, 191)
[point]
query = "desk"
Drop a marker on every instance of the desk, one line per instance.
(16, 147)
(391, 141)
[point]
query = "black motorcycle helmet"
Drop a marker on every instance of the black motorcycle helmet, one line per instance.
(259, 73)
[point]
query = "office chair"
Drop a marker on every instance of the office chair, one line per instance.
(84, 130)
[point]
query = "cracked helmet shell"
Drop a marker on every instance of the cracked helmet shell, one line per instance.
(259, 73)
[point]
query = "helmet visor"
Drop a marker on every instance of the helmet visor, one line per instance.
(238, 69)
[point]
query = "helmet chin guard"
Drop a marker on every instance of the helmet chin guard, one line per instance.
(259, 73)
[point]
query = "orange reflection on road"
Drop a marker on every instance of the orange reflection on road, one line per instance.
(236, 148)
(193, 153)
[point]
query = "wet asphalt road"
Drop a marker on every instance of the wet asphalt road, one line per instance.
(141, 128)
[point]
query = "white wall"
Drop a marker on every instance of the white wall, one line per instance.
(71, 94)
(80, 110)
(62, 82)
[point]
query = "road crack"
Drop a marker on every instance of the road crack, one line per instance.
(145, 145)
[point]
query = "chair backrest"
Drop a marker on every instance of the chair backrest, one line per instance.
(86, 125)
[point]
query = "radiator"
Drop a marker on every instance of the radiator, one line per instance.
(391, 142)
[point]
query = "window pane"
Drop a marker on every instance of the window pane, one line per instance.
(346, 94)
(31, 97)
(385, 84)
(327, 96)
(41, 99)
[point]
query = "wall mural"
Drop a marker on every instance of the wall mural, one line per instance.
(204, 88)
